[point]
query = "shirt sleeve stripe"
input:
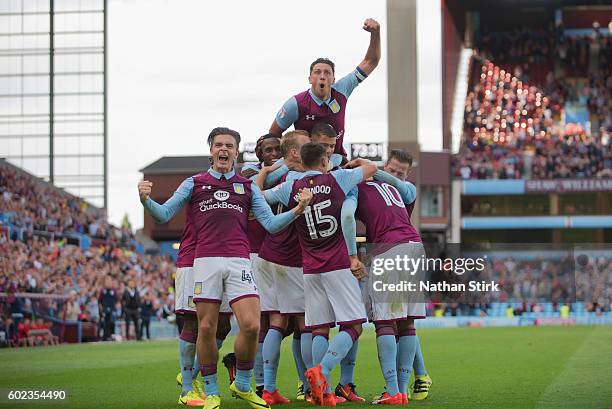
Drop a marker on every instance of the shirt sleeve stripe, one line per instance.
(360, 74)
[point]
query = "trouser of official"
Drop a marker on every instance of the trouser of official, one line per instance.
(131, 315)
(108, 326)
(144, 324)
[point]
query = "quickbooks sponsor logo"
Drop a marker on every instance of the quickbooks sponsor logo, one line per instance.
(207, 205)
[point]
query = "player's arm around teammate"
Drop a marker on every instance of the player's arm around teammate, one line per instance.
(406, 189)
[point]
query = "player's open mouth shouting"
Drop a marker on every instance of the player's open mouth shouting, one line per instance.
(223, 159)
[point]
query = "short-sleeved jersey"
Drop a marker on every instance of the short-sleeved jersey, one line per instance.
(303, 110)
(282, 248)
(319, 229)
(186, 253)
(220, 215)
(382, 210)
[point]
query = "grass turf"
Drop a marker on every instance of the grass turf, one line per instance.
(526, 367)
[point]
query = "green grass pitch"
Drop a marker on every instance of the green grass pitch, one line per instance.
(529, 367)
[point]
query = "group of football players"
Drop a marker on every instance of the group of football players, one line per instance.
(294, 269)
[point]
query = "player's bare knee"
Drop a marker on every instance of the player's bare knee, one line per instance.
(207, 327)
(250, 328)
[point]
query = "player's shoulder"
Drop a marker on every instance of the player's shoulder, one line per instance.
(252, 166)
(302, 96)
(240, 179)
(199, 176)
(292, 175)
(339, 172)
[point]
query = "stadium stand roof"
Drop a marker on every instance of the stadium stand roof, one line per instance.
(177, 165)
(91, 207)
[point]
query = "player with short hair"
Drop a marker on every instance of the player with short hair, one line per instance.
(280, 265)
(192, 392)
(399, 164)
(220, 201)
(326, 99)
(332, 294)
(324, 134)
(382, 205)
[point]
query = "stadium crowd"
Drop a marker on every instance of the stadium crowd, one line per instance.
(33, 205)
(534, 286)
(516, 130)
(42, 266)
(48, 264)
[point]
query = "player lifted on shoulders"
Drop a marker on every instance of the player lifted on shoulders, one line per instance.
(332, 294)
(326, 99)
(220, 202)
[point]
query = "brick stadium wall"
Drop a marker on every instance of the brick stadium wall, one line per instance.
(453, 29)
(163, 188)
(584, 17)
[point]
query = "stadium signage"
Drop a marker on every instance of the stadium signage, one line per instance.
(568, 185)
(248, 153)
(371, 151)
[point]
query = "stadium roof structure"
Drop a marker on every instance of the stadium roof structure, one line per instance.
(177, 165)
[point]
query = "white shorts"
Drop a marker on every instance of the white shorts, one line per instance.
(387, 312)
(216, 277)
(266, 285)
(288, 287)
(183, 287)
(395, 306)
(333, 298)
(183, 284)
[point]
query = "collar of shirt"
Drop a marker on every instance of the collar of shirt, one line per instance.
(311, 173)
(217, 175)
(319, 101)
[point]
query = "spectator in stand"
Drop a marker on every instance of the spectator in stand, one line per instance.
(22, 332)
(513, 123)
(73, 309)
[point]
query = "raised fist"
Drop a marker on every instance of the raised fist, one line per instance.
(144, 189)
(371, 26)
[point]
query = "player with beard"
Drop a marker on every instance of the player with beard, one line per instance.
(220, 201)
(326, 99)
(384, 205)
